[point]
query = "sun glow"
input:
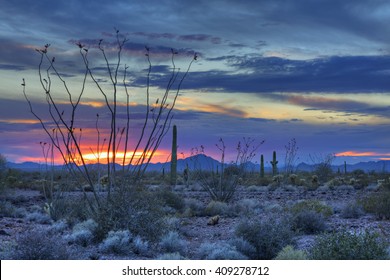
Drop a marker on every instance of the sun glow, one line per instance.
(361, 154)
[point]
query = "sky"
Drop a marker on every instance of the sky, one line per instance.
(314, 71)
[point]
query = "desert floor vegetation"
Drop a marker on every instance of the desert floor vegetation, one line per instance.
(335, 220)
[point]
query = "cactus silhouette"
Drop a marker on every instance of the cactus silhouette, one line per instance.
(174, 156)
(274, 164)
(262, 166)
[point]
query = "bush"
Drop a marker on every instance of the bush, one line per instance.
(267, 236)
(193, 207)
(247, 206)
(38, 218)
(352, 211)
(171, 199)
(289, 253)
(38, 245)
(173, 243)
(135, 209)
(309, 222)
(216, 208)
(378, 204)
(170, 256)
(83, 233)
(243, 247)
(344, 245)
(219, 251)
(117, 242)
(140, 246)
(314, 205)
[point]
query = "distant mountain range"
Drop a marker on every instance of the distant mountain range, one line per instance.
(203, 162)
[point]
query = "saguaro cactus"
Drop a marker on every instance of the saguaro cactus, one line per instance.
(174, 156)
(274, 164)
(345, 167)
(262, 166)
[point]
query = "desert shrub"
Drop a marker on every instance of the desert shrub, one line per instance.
(89, 225)
(170, 256)
(314, 205)
(140, 246)
(216, 208)
(170, 198)
(309, 222)
(7, 209)
(344, 245)
(80, 237)
(244, 247)
(268, 236)
(38, 245)
(247, 206)
(378, 204)
(135, 209)
(289, 253)
(219, 251)
(72, 209)
(193, 207)
(260, 188)
(352, 210)
(117, 242)
(272, 207)
(58, 227)
(38, 217)
(264, 181)
(83, 233)
(172, 242)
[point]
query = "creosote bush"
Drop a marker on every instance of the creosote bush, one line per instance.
(378, 204)
(40, 245)
(268, 236)
(309, 222)
(172, 242)
(344, 245)
(314, 205)
(117, 242)
(219, 251)
(138, 210)
(289, 253)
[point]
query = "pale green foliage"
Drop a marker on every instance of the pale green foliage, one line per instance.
(289, 253)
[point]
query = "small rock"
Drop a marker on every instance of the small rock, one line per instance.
(3, 232)
(213, 220)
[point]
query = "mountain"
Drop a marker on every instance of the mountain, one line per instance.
(203, 162)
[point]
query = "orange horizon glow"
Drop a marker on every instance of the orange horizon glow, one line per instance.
(91, 158)
(361, 154)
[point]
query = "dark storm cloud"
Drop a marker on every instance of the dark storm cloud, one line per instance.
(348, 74)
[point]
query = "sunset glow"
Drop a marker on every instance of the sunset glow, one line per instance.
(269, 70)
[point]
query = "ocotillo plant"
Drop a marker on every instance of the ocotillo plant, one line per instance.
(174, 156)
(262, 166)
(274, 164)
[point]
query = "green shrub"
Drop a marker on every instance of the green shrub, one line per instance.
(38, 217)
(170, 256)
(352, 210)
(216, 208)
(172, 242)
(267, 236)
(289, 253)
(38, 245)
(378, 204)
(344, 245)
(117, 242)
(309, 222)
(314, 205)
(140, 246)
(170, 198)
(193, 207)
(219, 251)
(135, 209)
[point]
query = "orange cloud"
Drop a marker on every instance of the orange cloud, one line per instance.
(361, 154)
(19, 121)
